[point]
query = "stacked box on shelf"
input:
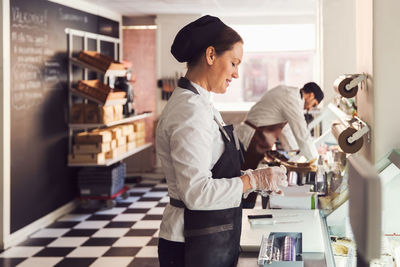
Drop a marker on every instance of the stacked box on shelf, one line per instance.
(92, 113)
(91, 147)
(102, 181)
(140, 132)
(126, 130)
(107, 143)
(120, 147)
(135, 135)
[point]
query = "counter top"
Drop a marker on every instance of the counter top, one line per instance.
(308, 222)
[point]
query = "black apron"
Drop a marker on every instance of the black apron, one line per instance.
(212, 237)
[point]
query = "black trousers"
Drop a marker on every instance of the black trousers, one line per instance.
(171, 254)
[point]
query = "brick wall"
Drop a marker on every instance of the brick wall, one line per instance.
(139, 48)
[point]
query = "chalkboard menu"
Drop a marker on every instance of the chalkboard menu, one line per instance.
(40, 179)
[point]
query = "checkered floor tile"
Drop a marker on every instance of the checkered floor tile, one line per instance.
(126, 235)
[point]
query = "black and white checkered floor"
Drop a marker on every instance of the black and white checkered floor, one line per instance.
(126, 235)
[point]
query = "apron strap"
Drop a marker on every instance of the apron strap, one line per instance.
(222, 129)
(177, 203)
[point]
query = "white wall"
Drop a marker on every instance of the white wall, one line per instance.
(166, 65)
(169, 25)
(365, 97)
(338, 42)
(1, 125)
(4, 121)
(386, 66)
(378, 55)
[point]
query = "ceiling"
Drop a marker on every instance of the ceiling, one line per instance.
(215, 7)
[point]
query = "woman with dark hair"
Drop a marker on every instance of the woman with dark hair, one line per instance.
(201, 157)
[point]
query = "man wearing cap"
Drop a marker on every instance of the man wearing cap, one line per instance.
(279, 115)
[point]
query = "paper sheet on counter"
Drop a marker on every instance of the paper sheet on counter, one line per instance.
(309, 225)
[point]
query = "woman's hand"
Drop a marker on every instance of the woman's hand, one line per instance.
(265, 180)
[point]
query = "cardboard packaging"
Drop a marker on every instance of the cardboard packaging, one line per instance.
(93, 137)
(127, 129)
(131, 145)
(116, 152)
(113, 144)
(121, 141)
(139, 126)
(118, 112)
(140, 142)
(140, 134)
(116, 132)
(98, 158)
(132, 137)
(91, 148)
(96, 114)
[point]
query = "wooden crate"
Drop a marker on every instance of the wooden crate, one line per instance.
(77, 113)
(100, 61)
(99, 90)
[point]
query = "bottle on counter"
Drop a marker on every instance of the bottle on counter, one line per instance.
(321, 184)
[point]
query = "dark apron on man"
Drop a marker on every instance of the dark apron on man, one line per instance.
(212, 237)
(255, 153)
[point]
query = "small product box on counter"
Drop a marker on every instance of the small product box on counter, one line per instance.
(283, 249)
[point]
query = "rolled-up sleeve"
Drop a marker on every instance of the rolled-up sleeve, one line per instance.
(191, 144)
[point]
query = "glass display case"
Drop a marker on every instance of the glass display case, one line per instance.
(339, 229)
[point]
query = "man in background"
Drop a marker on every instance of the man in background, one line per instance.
(279, 114)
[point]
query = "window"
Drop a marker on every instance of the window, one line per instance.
(273, 55)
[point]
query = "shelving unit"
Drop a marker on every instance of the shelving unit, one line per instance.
(111, 102)
(112, 161)
(108, 77)
(115, 73)
(82, 126)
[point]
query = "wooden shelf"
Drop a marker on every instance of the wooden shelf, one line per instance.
(82, 126)
(116, 73)
(112, 161)
(111, 102)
